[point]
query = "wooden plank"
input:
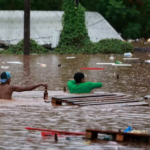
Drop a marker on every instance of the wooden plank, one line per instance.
(95, 99)
(62, 99)
(103, 103)
(83, 96)
(122, 104)
(98, 101)
(115, 133)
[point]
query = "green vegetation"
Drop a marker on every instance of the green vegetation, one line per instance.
(74, 36)
(18, 49)
(128, 17)
(106, 46)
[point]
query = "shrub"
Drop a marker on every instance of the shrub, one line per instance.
(115, 46)
(74, 37)
(74, 34)
(18, 48)
(106, 46)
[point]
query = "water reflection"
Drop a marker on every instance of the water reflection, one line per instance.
(26, 70)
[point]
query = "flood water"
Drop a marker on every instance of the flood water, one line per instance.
(25, 70)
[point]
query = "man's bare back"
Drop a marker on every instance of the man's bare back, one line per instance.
(6, 89)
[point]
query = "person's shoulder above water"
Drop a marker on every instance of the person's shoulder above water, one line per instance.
(71, 82)
(6, 89)
(78, 85)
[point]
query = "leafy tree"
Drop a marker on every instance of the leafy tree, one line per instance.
(132, 30)
(46, 5)
(74, 33)
(119, 13)
(11, 4)
(74, 36)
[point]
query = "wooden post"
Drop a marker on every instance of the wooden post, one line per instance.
(91, 135)
(119, 137)
(26, 27)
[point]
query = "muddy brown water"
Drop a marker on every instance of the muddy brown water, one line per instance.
(133, 80)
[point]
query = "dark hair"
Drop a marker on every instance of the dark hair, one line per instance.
(78, 77)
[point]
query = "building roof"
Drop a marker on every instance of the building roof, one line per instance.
(46, 26)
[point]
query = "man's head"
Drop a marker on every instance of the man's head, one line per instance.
(79, 77)
(5, 78)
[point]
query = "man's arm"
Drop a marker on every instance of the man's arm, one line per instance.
(16, 88)
(96, 85)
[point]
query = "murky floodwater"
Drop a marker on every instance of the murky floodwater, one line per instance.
(133, 80)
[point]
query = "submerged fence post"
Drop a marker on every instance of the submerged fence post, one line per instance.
(26, 27)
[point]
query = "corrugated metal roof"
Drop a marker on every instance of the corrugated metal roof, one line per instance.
(46, 26)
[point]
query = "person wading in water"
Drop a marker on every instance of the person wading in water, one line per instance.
(78, 85)
(6, 89)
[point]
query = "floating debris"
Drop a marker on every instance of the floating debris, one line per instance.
(43, 65)
(121, 65)
(139, 131)
(70, 57)
(128, 129)
(118, 62)
(112, 143)
(147, 61)
(64, 89)
(14, 62)
(88, 142)
(117, 76)
(56, 137)
(128, 54)
(59, 65)
(111, 58)
(105, 63)
(71, 138)
(130, 41)
(4, 67)
(92, 68)
(130, 58)
(147, 97)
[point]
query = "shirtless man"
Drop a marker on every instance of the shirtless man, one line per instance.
(6, 89)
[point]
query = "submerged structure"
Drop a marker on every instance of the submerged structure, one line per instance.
(46, 27)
